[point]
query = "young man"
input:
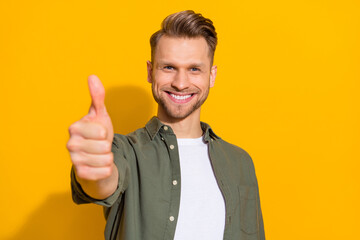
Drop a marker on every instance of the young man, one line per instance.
(174, 178)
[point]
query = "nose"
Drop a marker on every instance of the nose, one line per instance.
(180, 81)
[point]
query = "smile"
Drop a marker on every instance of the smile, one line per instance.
(180, 98)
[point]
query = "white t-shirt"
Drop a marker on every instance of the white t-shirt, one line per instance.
(202, 206)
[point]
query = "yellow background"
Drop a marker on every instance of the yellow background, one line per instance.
(287, 91)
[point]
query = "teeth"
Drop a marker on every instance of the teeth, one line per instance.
(180, 97)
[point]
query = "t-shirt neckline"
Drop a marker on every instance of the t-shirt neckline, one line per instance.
(190, 141)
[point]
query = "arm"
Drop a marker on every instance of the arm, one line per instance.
(90, 147)
(100, 189)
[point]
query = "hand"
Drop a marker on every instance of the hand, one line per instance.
(91, 138)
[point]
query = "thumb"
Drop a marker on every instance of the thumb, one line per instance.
(97, 93)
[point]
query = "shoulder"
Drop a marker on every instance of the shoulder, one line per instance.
(139, 136)
(240, 160)
(233, 150)
(234, 154)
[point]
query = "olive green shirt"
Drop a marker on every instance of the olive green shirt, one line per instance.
(145, 205)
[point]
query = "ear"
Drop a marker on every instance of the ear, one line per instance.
(213, 72)
(149, 71)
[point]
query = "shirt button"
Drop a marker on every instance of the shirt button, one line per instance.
(174, 182)
(172, 147)
(166, 128)
(171, 218)
(162, 139)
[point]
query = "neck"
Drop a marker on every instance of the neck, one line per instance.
(188, 127)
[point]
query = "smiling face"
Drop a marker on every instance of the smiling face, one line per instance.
(181, 76)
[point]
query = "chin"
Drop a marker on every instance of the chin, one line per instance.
(179, 113)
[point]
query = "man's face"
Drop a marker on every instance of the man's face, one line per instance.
(181, 76)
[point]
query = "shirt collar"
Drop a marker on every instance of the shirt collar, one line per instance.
(208, 132)
(154, 126)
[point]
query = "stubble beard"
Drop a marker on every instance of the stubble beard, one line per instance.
(180, 112)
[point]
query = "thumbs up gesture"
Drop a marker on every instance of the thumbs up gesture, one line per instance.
(90, 146)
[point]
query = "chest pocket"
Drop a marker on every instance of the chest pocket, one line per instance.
(249, 221)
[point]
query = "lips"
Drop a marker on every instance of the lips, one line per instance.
(180, 98)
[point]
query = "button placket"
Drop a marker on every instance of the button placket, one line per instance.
(170, 141)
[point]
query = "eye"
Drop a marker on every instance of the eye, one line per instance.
(168, 68)
(194, 69)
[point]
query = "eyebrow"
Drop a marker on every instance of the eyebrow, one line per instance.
(197, 65)
(191, 65)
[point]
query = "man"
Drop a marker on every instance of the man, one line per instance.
(174, 178)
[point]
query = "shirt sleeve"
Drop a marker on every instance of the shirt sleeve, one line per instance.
(260, 216)
(79, 196)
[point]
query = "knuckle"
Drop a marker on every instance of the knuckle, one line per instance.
(73, 128)
(108, 159)
(76, 159)
(88, 173)
(71, 145)
(107, 172)
(81, 172)
(106, 146)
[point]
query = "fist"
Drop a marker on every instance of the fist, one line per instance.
(91, 138)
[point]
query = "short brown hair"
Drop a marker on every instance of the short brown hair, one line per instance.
(186, 24)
